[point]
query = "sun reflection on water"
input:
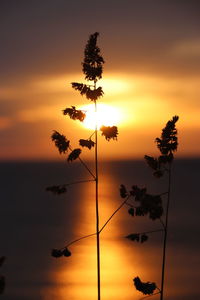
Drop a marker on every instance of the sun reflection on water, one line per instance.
(76, 277)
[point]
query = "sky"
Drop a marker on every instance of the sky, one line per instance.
(151, 73)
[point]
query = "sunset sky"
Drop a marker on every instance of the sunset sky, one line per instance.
(152, 71)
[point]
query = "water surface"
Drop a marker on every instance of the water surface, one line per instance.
(33, 222)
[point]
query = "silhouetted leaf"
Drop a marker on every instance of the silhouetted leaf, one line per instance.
(168, 142)
(148, 204)
(110, 132)
(123, 191)
(74, 154)
(86, 143)
(147, 288)
(139, 211)
(144, 238)
(2, 284)
(81, 87)
(91, 94)
(152, 205)
(56, 253)
(57, 189)
(152, 162)
(138, 193)
(94, 94)
(2, 259)
(93, 61)
(66, 252)
(74, 114)
(133, 237)
(131, 211)
(138, 237)
(155, 164)
(60, 141)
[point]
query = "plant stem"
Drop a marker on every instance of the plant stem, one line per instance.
(84, 164)
(79, 239)
(77, 182)
(87, 168)
(165, 235)
(121, 205)
(162, 223)
(97, 205)
(91, 135)
(92, 234)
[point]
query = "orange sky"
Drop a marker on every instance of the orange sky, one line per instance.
(151, 73)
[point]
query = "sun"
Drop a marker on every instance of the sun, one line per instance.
(105, 115)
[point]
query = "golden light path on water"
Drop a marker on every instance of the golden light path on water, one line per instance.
(121, 260)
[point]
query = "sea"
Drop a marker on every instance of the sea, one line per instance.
(34, 221)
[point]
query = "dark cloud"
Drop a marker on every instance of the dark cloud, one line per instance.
(43, 37)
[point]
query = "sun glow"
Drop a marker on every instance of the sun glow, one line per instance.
(105, 115)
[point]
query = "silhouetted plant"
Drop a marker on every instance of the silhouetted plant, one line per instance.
(110, 132)
(74, 114)
(92, 68)
(60, 141)
(60, 252)
(2, 278)
(86, 143)
(146, 288)
(140, 202)
(57, 189)
(143, 204)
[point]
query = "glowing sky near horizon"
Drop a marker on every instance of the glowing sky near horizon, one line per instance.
(151, 49)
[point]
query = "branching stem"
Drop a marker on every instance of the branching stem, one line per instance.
(121, 205)
(91, 135)
(84, 164)
(77, 182)
(79, 239)
(95, 233)
(161, 221)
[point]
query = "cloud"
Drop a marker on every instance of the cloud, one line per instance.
(187, 49)
(47, 37)
(5, 123)
(39, 113)
(112, 83)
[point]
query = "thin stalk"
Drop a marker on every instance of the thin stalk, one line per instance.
(84, 164)
(165, 235)
(91, 135)
(97, 207)
(121, 205)
(77, 182)
(79, 239)
(95, 233)
(162, 223)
